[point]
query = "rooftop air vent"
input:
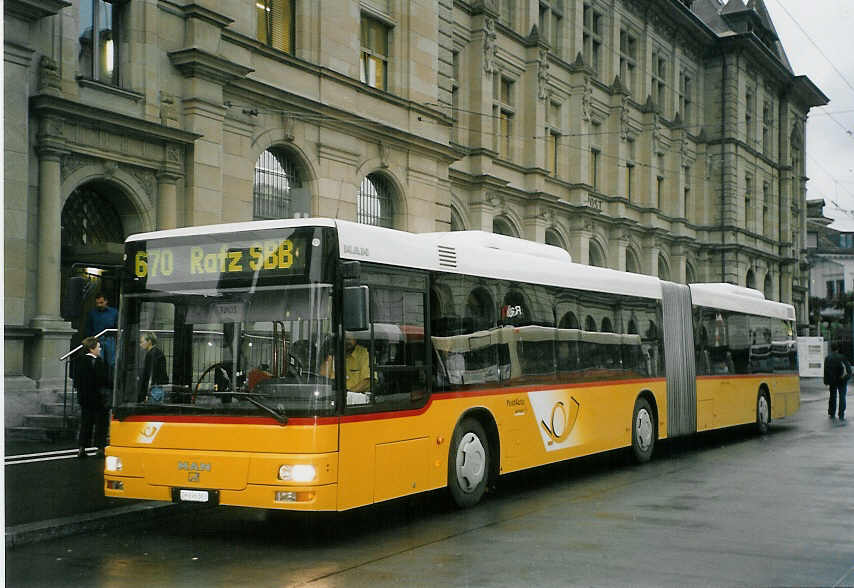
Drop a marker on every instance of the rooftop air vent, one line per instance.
(447, 256)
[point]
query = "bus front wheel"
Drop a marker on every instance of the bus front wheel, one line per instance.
(643, 430)
(468, 463)
(763, 412)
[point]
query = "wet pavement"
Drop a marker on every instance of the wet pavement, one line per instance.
(51, 493)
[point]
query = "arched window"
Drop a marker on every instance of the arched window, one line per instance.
(606, 325)
(501, 226)
(568, 321)
(553, 238)
(457, 221)
(632, 263)
(768, 288)
(750, 280)
(375, 205)
(663, 268)
(278, 191)
(690, 274)
(596, 255)
(589, 323)
(89, 218)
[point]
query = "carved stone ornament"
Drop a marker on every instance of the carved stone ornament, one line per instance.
(684, 151)
(53, 127)
(110, 168)
(71, 163)
(489, 45)
(624, 117)
(49, 80)
(586, 99)
(656, 132)
(146, 179)
(543, 74)
(548, 215)
(494, 199)
(173, 153)
(288, 124)
(384, 155)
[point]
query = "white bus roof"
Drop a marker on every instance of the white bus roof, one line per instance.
(486, 255)
(482, 254)
(738, 299)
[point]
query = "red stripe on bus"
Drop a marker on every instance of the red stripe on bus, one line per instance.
(375, 416)
(230, 420)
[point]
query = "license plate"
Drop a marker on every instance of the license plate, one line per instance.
(193, 496)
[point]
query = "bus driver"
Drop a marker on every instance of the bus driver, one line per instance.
(358, 366)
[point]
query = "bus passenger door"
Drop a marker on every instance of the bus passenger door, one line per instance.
(386, 446)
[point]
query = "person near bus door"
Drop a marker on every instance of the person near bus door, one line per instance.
(153, 370)
(837, 370)
(93, 395)
(103, 316)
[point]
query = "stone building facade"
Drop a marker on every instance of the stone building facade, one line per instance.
(663, 137)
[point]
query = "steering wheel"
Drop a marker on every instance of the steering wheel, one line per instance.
(215, 366)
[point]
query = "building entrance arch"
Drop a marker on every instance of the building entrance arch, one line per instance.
(92, 233)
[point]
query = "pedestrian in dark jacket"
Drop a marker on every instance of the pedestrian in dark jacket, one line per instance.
(93, 395)
(153, 370)
(837, 370)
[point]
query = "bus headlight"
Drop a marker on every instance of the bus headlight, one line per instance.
(297, 473)
(113, 463)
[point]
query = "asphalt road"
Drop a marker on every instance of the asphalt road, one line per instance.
(722, 509)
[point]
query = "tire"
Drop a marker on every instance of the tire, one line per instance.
(644, 431)
(763, 413)
(468, 463)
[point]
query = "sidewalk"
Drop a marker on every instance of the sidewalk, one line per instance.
(61, 495)
(50, 492)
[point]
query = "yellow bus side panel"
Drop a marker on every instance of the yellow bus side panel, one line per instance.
(729, 401)
(389, 455)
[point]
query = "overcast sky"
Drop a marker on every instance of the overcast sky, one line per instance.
(802, 26)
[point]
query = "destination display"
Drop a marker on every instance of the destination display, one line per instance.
(235, 262)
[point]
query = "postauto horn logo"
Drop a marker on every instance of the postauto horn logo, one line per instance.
(556, 413)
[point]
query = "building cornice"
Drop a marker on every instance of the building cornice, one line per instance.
(32, 10)
(46, 106)
(193, 62)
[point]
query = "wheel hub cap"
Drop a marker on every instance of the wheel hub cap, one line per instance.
(763, 409)
(471, 460)
(643, 430)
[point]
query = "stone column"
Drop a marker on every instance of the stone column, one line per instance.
(679, 263)
(167, 200)
(54, 334)
(617, 246)
(581, 232)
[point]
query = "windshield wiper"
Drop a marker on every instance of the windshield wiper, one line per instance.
(279, 416)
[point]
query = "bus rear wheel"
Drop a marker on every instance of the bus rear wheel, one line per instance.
(763, 412)
(468, 463)
(643, 430)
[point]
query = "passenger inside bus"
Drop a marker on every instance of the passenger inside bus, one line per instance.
(358, 366)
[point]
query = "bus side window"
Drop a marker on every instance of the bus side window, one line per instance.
(398, 353)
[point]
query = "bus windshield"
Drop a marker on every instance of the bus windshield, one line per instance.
(255, 353)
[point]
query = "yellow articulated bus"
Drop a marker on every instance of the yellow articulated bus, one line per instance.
(317, 364)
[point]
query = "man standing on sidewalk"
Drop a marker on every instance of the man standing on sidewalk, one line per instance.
(93, 395)
(837, 370)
